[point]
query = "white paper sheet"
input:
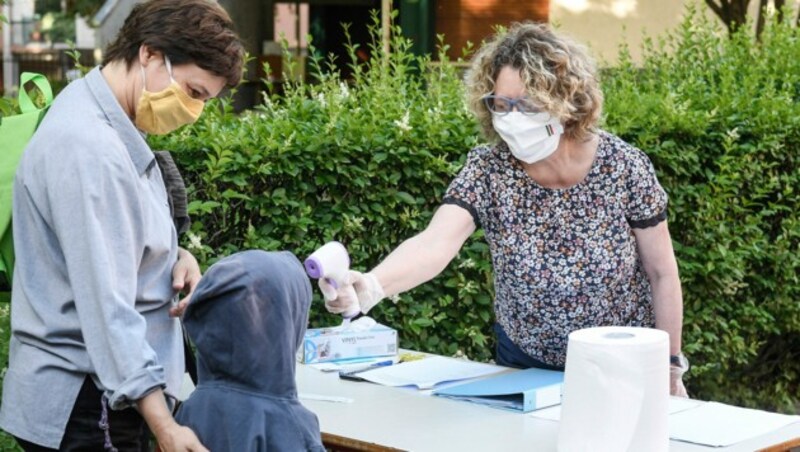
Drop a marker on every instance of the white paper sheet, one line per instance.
(676, 405)
(552, 413)
(323, 398)
(427, 373)
(718, 425)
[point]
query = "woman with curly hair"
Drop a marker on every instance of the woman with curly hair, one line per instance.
(575, 217)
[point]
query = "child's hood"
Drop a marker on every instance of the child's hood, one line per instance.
(247, 318)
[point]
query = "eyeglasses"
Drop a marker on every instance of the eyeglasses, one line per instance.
(503, 105)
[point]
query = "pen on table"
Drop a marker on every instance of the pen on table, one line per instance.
(388, 362)
(350, 374)
(344, 365)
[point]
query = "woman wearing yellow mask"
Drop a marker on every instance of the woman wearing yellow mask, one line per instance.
(96, 349)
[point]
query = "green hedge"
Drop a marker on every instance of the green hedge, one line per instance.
(720, 120)
(367, 163)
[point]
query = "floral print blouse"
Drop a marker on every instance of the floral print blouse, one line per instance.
(564, 259)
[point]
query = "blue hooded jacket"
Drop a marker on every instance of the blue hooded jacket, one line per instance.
(247, 319)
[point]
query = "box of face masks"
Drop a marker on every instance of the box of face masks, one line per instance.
(341, 343)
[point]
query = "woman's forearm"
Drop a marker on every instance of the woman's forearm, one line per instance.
(668, 305)
(658, 257)
(414, 262)
(155, 412)
(171, 436)
(422, 257)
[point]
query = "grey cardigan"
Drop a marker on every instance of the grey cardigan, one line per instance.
(95, 248)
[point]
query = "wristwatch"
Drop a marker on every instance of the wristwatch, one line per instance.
(679, 361)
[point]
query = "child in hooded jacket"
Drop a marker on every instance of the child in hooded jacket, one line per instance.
(247, 319)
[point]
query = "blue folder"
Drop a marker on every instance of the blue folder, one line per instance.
(523, 390)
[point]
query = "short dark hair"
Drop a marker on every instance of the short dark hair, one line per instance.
(187, 31)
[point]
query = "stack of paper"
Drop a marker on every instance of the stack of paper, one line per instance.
(718, 425)
(709, 423)
(429, 372)
(524, 390)
(676, 405)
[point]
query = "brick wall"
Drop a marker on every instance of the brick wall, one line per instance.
(472, 20)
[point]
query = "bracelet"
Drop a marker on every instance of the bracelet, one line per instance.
(679, 361)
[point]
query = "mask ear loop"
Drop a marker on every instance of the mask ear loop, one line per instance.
(144, 78)
(169, 71)
(169, 67)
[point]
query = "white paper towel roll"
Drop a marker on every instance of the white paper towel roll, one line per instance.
(616, 391)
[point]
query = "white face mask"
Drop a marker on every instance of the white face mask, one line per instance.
(530, 137)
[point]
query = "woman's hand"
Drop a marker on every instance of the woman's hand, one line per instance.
(676, 387)
(170, 436)
(361, 292)
(177, 438)
(185, 276)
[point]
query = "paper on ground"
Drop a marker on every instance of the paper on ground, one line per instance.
(718, 425)
(676, 405)
(427, 373)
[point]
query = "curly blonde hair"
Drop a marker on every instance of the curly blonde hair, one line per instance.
(558, 73)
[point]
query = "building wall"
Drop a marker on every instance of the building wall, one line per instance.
(13, 36)
(472, 20)
(112, 20)
(605, 24)
(21, 11)
(602, 25)
(291, 23)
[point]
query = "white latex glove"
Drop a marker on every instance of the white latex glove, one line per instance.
(676, 387)
(360, 292)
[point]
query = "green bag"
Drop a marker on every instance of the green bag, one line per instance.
(15, 132)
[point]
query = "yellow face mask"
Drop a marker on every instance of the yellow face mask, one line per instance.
(162, 112)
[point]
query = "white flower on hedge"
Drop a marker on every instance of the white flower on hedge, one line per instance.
(322, 100)
(467, 263)
(402, 124)
(289, 139)
(194, 241)
(469, 287)
(733, 134)
(344, 91)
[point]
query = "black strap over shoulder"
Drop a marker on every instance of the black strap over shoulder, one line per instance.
(176, 191)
